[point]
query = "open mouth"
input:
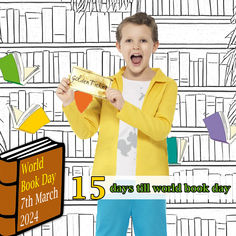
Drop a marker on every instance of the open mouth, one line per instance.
(136, 59)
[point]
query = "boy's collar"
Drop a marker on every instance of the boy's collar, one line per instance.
(159, 76)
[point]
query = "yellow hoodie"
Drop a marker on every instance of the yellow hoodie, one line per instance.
(153, 122)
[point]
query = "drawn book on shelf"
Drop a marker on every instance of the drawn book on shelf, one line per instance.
(3, 146)
(219, 127)
(29, 121)
(14, 71)
(31, 185)
(176, 148)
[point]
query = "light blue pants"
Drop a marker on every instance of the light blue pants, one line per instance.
(148, 216)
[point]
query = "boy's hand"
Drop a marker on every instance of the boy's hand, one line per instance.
(115, 97)
(64, 92)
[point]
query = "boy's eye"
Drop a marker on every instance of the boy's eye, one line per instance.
(128, 40)
(143, 40)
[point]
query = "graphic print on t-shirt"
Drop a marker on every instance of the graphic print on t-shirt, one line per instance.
(125, 145)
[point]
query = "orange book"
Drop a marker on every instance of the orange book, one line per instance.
(31, 185)
(82, 100)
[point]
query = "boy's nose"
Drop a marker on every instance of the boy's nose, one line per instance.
(135, 45)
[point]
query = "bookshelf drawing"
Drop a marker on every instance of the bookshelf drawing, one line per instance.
(59, 34)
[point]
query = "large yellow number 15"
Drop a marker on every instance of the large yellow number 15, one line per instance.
(101, 190)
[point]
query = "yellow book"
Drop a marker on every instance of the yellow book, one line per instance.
(29, 121)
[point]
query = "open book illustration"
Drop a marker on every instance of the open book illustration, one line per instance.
(176, 148)
(222, 127)
(29, 121)
(219, 127)
(14, 71)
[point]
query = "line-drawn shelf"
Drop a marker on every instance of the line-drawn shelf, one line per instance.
(182, 164)
(54, 86)
(168, 205)
(107, 45)
(35, 1)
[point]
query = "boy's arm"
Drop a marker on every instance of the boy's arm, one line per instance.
(159, 126)
(85, 124)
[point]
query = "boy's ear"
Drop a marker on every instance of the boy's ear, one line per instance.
(118, 46)
(155, 46)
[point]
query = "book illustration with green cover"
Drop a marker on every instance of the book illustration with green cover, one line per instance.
(14, 71)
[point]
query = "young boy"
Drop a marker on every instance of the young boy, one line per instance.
(133, 125)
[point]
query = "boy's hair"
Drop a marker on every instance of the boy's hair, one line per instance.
(140, 18)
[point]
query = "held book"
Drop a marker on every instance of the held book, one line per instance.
(219, 128)
(14, 71)
(31, 185)
(29, 121)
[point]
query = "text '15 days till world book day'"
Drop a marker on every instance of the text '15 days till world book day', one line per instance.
(31, 185)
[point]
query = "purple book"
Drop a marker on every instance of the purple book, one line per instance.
(218, 127)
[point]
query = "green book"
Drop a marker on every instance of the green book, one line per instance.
(13, 70)
(172, 150)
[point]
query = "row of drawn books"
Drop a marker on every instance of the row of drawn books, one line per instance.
(70, 185)
(47, 99)
(72, 224)
(59, 25)
(191, 148)
(187, 7)
(75, 224)
(191, 186)
(74, 146)
(192, 108)
(51, 67)
(201, 148)
(190, 111)
(198, 226)
(208, 70)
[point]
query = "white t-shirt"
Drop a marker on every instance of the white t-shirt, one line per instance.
(133, 92)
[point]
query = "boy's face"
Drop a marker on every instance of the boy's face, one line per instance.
(136, 46)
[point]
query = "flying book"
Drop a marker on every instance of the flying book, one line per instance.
(219, 128)
(31, 185)
(14, 71)
(176, 148)
(82, 100)
(29, 121)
